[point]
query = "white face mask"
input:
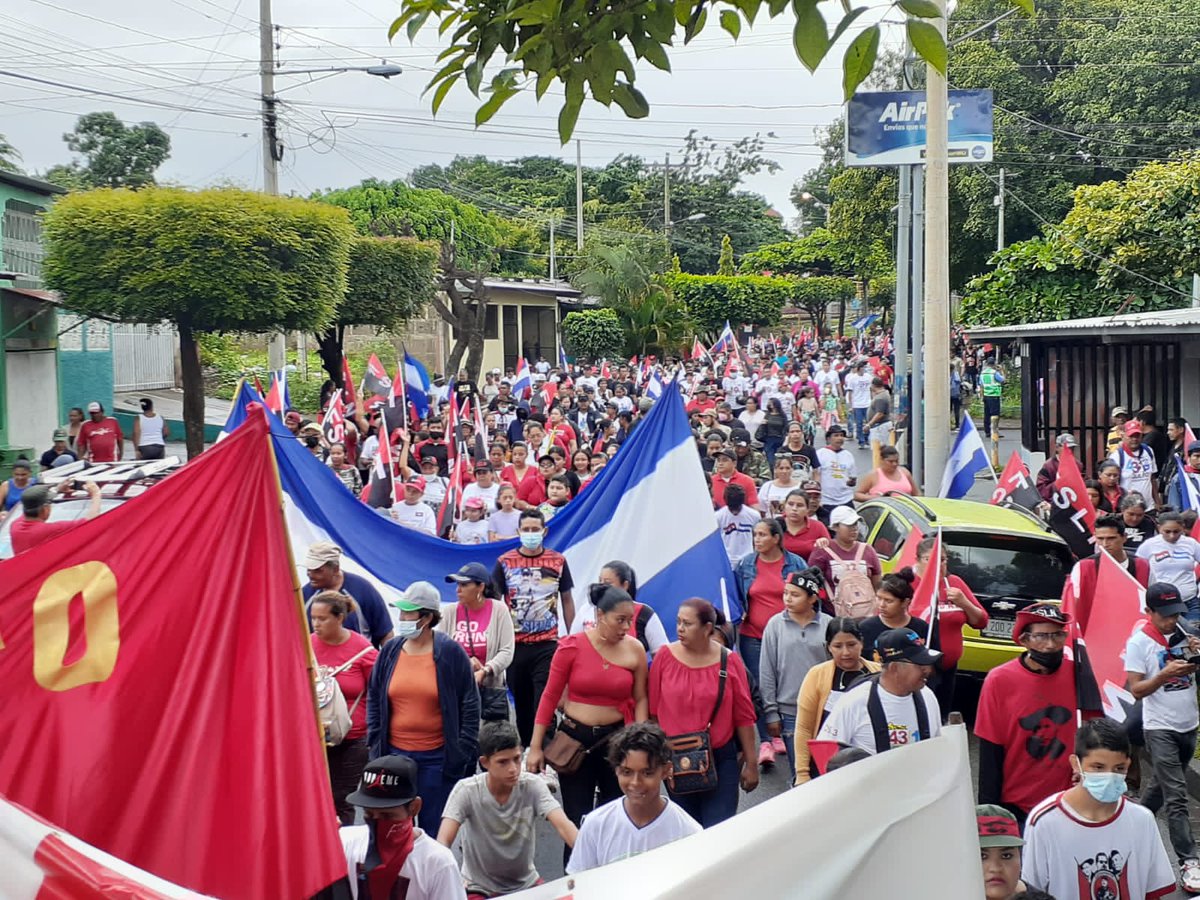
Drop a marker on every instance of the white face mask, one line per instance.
(407, 628)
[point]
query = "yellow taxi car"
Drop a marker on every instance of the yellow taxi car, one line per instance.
(1007, 556)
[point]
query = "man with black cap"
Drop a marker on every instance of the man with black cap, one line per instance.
(750, 462)
(323, 563)
(1026, 715)
(34, 526)
(1158, 673)
(895, 708)
(388, 857)
(725, 473)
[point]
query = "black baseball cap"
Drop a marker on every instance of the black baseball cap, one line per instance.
(386, 782)
(834, 429)
(1165, 599)
(897, 644)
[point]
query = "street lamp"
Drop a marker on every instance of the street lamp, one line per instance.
(806, 198)
(694, 217)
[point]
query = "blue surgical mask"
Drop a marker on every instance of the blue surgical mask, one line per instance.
(1105, 787)
(407, 628)
(531, 540)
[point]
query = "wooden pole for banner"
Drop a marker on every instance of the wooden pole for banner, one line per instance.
(301, 617)
(995, 443)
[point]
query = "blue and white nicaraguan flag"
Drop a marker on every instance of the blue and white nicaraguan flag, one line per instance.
(967, 457)
(619, 516)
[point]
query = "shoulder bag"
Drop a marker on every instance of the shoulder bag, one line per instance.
(693, 769)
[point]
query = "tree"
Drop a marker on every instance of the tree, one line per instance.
(748, 299)
(393, 209)
(1125, 246)
(587, 46)
(594, 333)
(462, 304)
(207, 261)
(389, 282)
(114, 154)
(10, 157)
(725, 264)
(813, 295)
(653, 319)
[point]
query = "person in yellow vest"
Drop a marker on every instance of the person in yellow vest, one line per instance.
(991, 383)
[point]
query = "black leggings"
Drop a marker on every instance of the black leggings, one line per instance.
(527, 675)
(579, 788)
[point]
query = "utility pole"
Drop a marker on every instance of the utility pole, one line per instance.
(1000, 213)
(903, 299)
(578, 195)
(667, 199)
(920, 341)
(271, 151)
(553, 268)
(937, 271)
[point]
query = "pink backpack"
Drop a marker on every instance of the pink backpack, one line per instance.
(854, 594)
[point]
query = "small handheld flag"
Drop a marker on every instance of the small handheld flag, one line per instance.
(967, 457)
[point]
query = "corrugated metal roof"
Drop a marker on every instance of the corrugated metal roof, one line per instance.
(1186, 320)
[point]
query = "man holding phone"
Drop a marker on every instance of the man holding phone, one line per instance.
(1160, 668)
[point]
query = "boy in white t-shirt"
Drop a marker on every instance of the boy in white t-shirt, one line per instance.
(641, 820)
(1090, 841)
(1158, 675)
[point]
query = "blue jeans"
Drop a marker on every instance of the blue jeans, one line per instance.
(751, 650)
(710, 807)
(432, 785)
(1193, 610)
(771, 446)
(789, 738)
(859, 421)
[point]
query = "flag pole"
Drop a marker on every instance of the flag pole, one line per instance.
(297, 594)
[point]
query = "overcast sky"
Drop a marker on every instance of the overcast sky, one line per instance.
(194, 63)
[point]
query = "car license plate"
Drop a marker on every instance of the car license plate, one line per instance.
(1000, 629)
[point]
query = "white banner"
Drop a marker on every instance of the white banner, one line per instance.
(38, 860)
(900, 824)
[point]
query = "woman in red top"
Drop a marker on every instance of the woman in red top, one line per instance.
(683, 694)
(759, 578)
(350, 657)
(957, 607)
(800, 530)
(599, 676)
(519, 469)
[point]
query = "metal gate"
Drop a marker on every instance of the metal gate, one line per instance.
(143, 357)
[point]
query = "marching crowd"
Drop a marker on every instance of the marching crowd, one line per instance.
(533, 697)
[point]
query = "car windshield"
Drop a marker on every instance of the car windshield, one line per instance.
(1005, 565)
(62, 511)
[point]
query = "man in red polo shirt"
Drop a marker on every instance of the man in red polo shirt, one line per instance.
(725, 473)
(100, 439)
(33, 528)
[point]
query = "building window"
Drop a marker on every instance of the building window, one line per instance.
(23, 239)
(491, 323)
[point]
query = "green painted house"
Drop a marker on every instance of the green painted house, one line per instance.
(49, 360)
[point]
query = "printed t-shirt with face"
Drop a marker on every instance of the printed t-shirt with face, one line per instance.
(1173, 563)
(1137, 469)
(498, 838)
(608, 835)
(837, 469)
(850, 724)
(1073, 858)
(1031, 715)
(532, 586)
(1173, 706)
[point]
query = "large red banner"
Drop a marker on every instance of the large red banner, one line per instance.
(157, 698)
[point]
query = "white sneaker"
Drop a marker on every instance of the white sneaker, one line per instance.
(1189, 875)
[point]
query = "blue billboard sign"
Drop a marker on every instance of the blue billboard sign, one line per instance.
(887, 128)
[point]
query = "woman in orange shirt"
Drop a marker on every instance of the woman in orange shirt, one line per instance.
(422, 702)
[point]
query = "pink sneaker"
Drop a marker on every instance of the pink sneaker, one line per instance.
(778, 746)
(766, 755)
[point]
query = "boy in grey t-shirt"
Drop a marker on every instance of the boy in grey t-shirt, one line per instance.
(497, 812)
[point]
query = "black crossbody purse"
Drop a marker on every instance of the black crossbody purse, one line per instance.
(693, 769)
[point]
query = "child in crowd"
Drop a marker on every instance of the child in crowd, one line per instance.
(496, 812)
(473, 527)
(644, 819)
(558, 492)
(1091, 835)
(502, 524)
